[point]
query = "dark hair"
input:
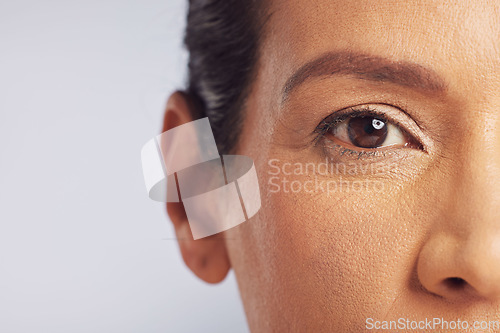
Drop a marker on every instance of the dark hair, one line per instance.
(222, 38)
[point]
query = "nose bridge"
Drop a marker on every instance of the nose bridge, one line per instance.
(477, 203)
(476, 197)
(462, 255)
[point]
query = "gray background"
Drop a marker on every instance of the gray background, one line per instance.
(82, 249)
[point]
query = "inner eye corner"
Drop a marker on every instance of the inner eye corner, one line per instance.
(413, 142)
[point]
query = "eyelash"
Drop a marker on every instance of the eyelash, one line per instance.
(333, 119)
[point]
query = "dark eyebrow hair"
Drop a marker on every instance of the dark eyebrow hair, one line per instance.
(367, 67)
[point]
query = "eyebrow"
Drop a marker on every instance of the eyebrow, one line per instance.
(367, 67)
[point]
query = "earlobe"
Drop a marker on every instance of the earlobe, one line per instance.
(206, 257)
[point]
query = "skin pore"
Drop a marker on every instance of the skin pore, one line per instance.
(424, 240)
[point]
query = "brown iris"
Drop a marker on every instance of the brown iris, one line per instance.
(366, 131)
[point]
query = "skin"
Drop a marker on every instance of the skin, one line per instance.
(425, 246)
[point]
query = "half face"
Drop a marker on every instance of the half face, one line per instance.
(374, 126)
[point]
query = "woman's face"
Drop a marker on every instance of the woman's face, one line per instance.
(375, 130)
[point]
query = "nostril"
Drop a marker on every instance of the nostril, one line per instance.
(455, 284)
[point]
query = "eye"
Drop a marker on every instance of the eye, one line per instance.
(364, 129)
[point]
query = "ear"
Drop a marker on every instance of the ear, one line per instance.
(206, 257)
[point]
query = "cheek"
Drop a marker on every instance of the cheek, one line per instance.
(345, 254)
(352, 249)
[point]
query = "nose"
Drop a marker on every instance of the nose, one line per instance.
(460, 260)
(461, 269)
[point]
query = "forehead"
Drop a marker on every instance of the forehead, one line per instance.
(458, 39)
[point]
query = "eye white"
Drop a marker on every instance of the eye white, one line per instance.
(394, 136)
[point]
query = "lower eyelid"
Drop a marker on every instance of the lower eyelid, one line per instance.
(338, 153)
(330, 147)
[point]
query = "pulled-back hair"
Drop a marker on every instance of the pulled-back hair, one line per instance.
(222, 38)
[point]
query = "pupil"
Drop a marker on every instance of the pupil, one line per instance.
(367, 132)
